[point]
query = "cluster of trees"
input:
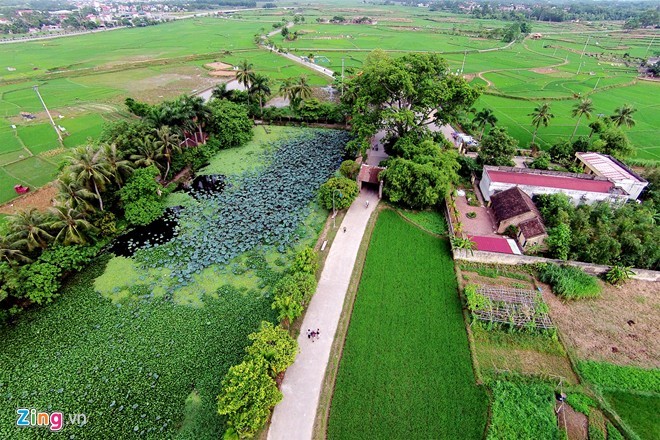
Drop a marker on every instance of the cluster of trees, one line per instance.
(118, 180)
(601, 233)
(339, 192)
(249, 390)
(293, 292)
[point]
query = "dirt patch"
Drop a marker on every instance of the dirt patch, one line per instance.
(398, 19)
(223, 73)
(40, 199)
(619, 327)
(511, 283)
(469, 76)
(574, 423)
(544, 70)
(219, 66)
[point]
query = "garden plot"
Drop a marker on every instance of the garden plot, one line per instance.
(515, 307)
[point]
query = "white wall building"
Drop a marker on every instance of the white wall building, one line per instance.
(613, 170)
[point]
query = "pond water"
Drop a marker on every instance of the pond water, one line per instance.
(163, 229)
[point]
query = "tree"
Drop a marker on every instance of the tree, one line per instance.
(70, 226)
(118, 167)
(484, 117)
(230, 123)
(287, 90)
(245, 73)
(248, 393)
(306, 261)
(582, 108)
(261, 88)
(349, 169)
(148, 154)
(300, 90)
(613, 141)
(415, 185)
(405, 94)
(10, 255)
(559, 241)
(29, 229)
(142, 197)
(498, 148)
(338, 193)
(623, 116)
(274, 345)
(167, 144)
(72, 194)
(89, 168)
(540, 116)
(541, 162)
(288, 309)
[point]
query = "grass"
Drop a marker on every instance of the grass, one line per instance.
(378, 388)
(639, 412)
(621, 378)
(570, 282)
(431, 221)
(522, 411)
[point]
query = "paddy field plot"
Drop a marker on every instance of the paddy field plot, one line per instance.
(405, 370)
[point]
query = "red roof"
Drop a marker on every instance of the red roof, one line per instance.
(492, 244)
(369, 173)
(563, 182)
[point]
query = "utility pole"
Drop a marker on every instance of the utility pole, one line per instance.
(585, 46)
(597, 83)
(463, 66)
(649, 46)
(579, 68)
(342, 77)
(59, 135)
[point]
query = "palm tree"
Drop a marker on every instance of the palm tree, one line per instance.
(623, 116)
(118, 166)
(286, 89)
(582, 108)
(261, 88)
(540, 115)
(9, 254)
(464, 243)
(89, 168)
(71, 225)
(485, 117)
(245, 74)
(167, 142)
(28, 229)
(148, 153)
(300, 91)
(221, 92)
(72, 194)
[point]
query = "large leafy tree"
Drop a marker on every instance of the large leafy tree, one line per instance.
(415, 185)
(540, 116)
(274, 345)
(484, 117)
(583, 108)
(498, 148)
(230, 123)
(338, 193)
(613, 141)
(623, 116)
(142, 197)
(89, 167)
(405, 94)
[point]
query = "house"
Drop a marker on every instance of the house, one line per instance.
(613, 170)
(580, 188)
(513, 207)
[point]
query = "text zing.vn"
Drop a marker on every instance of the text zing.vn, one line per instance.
(54, 420)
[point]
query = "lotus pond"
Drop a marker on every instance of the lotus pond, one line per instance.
(140, 344)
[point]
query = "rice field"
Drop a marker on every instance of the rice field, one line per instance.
(405, 370)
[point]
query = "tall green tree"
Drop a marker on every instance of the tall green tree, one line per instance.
(274, 345)
(148, 153)
(405, 94)
(167, 143)
(582, 108)
(72, 194)
(498, 148)
(245, 74)
(90, 168)
(70, 226)
(623, 116)
(540, 116)
(484, 117)
(260, 88)
(119, 167)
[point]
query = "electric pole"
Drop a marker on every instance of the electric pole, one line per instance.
(59, 135)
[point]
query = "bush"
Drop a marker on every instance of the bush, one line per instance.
(306, 261)
(344, 190)
(569, 282)
(580, 402)
(349, 169)
(40, 282)
(471, 214)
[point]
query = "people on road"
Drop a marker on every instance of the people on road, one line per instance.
(344, 228)
(366, 204)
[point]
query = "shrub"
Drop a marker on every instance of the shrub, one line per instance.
(569, 282)
(141, 197)
(618, 274)
(471, 214)
(39, 282)
(69, 258)
(349, 169)
(274, 345)
(580, 402)
(247, 396)
(511, 231)
(306, 261)
(338, 193)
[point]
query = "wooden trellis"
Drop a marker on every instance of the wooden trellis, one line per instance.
(517, 307)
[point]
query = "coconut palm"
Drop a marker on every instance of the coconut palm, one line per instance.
(582, 108)
(464, 243)
(148, 153)
(541, 115)
(302, 88)
(261, 88)
(70, 225)
(167, 143)
(623, 116)
(484, 117)
(221, 92)
(29, 230)
(119, 167)
(73, 195)
(9, 254)
(286, 89)
(89, 168)
(245, 74)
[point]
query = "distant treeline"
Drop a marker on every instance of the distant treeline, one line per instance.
(641, 13)
(215, 4)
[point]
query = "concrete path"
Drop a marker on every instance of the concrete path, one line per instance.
(293, 418)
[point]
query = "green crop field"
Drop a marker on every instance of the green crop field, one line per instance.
(405, 370)
(638, 411)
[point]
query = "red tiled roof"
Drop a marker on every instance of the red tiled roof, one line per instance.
(492, 244)
(532, 228)
(562, 182)
(369, 174)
